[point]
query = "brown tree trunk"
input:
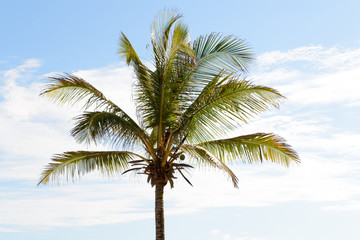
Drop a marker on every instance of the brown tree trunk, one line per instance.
(159, 212)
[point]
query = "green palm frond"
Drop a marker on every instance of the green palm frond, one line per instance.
(143, 87)
(71, 89)
(107, 127)
(172, 85)
(216, 52)
(253, 148)
(224, 104)
(142, 72)
(160, 35)
(127, 51)
(160, 95)
(205, 157)
(71, 164)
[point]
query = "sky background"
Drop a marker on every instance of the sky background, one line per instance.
(308, 50)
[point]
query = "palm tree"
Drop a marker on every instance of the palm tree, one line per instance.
(187, 102)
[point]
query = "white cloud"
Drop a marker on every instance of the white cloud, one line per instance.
(215, 231)
(79, 205)
(317, 56)
(33, 128)
(277, 75)
(28, 66)
(8, 230)
(248, 238)
(312, 75)
(227, 236)
(339, 87)
(353, 104)
(351, 206)
(315, 180)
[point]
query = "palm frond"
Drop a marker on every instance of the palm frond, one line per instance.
(70, 89)
(107, 127)
(143, 87)
(216, 52)
(172, 86)
(224, 103)
(160, 32)
(72, 164)
(161, 95)
(205, 157)
(127, 51)
(253, 148)
(222, 52)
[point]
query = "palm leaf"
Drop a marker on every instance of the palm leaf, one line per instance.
(160, 95)
(160, 32)
(107, 126)
(172, 83)
(216, 52)
(253, 148)
(143, 87)
(127, 51)
(71, 164)
(71, 89)
(224, 104)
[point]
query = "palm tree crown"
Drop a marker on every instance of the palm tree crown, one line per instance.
(186, 103)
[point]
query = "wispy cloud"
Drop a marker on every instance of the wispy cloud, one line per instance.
(29, 65)
(83, 205)
(218, 235)
(350, 206)
(313, 75)
(335, 58)
(9, 230)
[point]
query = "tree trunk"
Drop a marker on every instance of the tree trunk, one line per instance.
(159, 212)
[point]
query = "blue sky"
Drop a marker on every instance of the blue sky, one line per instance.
(308, 50)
